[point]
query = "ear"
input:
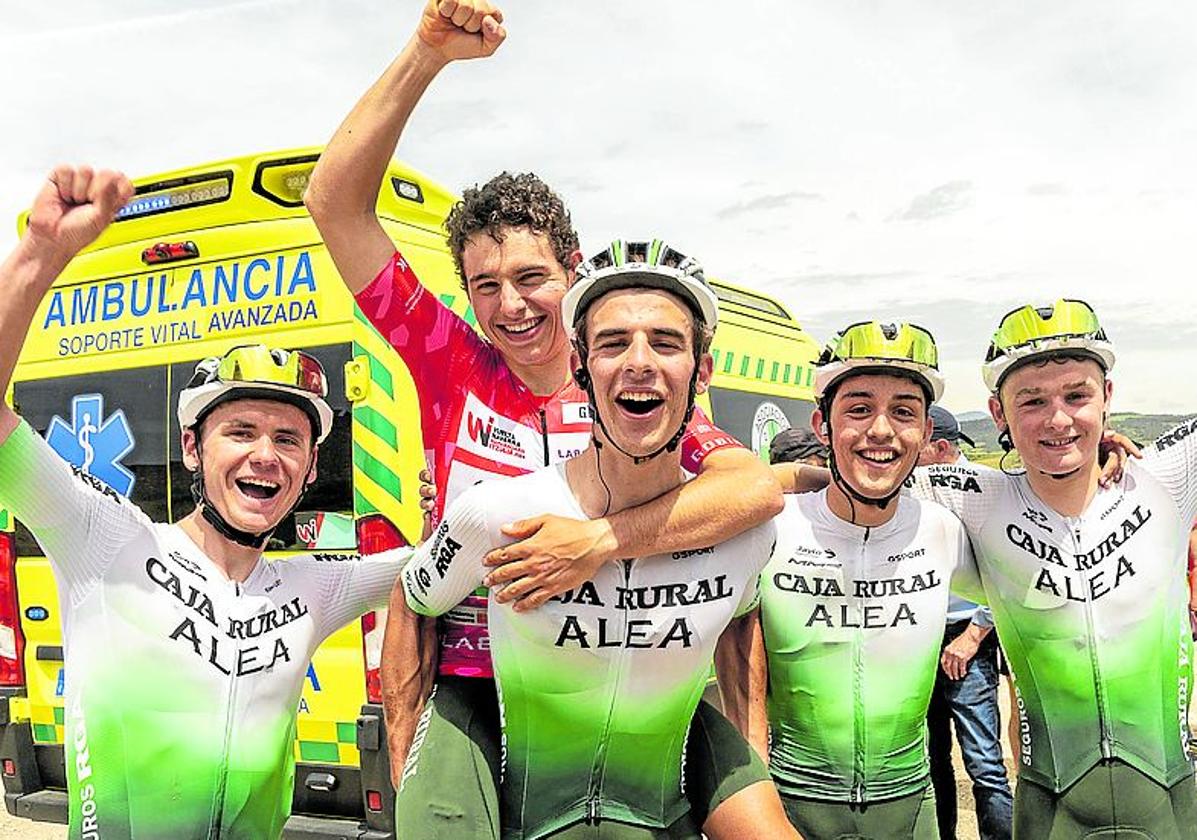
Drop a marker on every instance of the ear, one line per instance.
(928, 428)
(190, 453)
(818, 424)
(996, 412)
(1109, 396)
(571, 267)
(312, 470)
(706, 366)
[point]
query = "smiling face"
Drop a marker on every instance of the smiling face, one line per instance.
(257, 458)
(1055, 413)
(515, 287)
(641, 358)
(879, 424)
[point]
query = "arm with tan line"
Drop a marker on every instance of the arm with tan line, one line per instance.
(72, 209)
(344, 187)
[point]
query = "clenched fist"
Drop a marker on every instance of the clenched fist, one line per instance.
(461, 29)
(75, 206)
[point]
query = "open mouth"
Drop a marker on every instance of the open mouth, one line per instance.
(522, 328)
(880, 457)
(1060, 443)
(639, 402)
(258, 488)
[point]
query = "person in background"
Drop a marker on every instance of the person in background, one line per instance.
(965, 689)
(798, 446)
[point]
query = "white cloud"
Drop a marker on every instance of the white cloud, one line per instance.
(712, 125)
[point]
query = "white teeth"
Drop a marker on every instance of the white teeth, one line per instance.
(522, 326)
(884, 456)
(638, 396)
(258, 482)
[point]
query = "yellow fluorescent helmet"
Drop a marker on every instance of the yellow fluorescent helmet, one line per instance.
(1033, 331)
(254, 371)
(881, 347)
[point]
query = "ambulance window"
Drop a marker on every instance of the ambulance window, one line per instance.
(113, 424)
(324, 518)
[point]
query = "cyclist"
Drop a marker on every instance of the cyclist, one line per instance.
(854, 601)
(186, 648)
(1086, 586)
(598, 686)
(515, 250)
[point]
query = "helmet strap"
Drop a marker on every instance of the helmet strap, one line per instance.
(587, 382)
(881, 503)
(199, 495)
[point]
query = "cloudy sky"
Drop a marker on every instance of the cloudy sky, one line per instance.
(936, 162)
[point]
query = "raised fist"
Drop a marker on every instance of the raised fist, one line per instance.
(460, 29)
(75, 206)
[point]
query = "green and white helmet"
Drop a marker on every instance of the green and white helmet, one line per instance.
(1031, 332)
(650, 264)
(870, 346)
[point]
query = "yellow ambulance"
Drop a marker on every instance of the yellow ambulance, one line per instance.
(202, 260)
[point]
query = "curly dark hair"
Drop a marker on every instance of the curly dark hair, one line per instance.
(508, 200)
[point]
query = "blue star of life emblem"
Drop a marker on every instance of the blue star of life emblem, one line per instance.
(94, 444)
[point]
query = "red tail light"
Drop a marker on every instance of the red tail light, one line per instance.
(12, 641)
(375, 534)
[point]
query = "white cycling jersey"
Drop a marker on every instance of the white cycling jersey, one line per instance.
(598, 686)
(1091, 610)
(182, 686)
(853, 622)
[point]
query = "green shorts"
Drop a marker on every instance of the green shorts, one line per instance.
(1112, 800)
(683, 829)
(450, 782)
(905, 818)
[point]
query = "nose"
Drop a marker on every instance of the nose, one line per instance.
(264, 450)
(880, 428)
(511, 302)
(1060, 418)
(639, 357)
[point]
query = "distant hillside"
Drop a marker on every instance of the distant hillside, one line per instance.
(1142, 428)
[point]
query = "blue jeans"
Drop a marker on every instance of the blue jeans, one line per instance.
(972, 703)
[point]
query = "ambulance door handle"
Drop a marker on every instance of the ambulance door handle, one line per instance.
(49, 653)
(357, 379)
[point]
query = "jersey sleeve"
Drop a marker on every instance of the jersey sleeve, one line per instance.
(968, 490)
(764, 543)
(432, 340)
(703, 437)
(79, 521)
(1172, 459)
(350, 584)
(966, 577)
(448, 567)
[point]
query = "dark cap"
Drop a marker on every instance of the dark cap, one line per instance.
(944, 426)
(794, 444)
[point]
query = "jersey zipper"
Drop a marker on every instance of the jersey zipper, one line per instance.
(594, 812)
(544, 435)
(857, 795)
(223, 782)
(1103, 718)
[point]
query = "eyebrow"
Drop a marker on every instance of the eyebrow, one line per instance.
(238, 423)
(519, 271)
(904, 397)
(616, 332)
(1031, 391)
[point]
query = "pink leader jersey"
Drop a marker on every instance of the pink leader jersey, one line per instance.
(480, 422)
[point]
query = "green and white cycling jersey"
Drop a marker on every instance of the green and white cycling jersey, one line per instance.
(598, 686)
(1091, 610)
(182, 687)
(853, 622)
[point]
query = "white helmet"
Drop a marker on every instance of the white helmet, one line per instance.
(1068, 326)
(254, 371)
(640, 265)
